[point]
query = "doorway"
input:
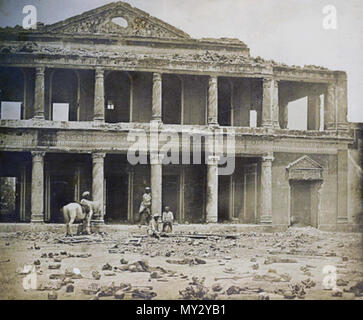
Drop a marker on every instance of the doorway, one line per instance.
(301, 203)
(116, 199)
(61, 193)
(171, 194)
(224, 194)
(250, 193)
(9, 199)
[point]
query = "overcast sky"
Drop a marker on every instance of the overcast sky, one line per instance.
(289, 31)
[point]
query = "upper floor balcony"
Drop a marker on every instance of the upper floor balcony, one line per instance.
(59, 97)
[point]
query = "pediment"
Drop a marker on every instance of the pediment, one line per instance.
(117, 18)
(304, 162)
(305, 168)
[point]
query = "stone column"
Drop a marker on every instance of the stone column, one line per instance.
(98, 183)
(37, 193)
(212, 189)
(342, 103)
(268, 98)
(313, 112)
(284, 114)
(266, 189)
(39, 93)
(330, 108)
(157, 98)
(99, 98)
(156, 182)
(213, 101)
(275, 104)
(130, 198)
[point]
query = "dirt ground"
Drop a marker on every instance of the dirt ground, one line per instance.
(289, 265)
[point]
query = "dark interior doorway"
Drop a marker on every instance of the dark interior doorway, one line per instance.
(9, 199)
(61, 193)
(300, 203)
(171, 194)
(223, 198)
(116, 199)
(250, 193)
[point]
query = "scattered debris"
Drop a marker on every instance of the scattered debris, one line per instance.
(342, 283)
(308, 283)
(135, 241)
(120, 294)
(217, 287)
(271, 260)
(96, 275)
(191, 261)
(284, 277)
(79, 239)
(197, 291)
(70, 288)
(357, 289)
(52, 295)
(337, 293)
(238, 290)
(263, 296)
(107, 266)
(143, 294)
(138, 266)
(233, 290)
(7, 260)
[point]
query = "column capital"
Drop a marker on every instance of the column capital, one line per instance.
(213, 160)
(39, 70)
(38, 155)
(157, 76)
(99, 72)
(213, 79)
(268, 157)
(267, 82)
(331, 85)
(98, 155)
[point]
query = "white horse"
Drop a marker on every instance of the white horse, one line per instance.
(74, 212)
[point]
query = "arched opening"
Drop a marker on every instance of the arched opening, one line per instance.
(64, 96)
(117, 97)
(11, 93)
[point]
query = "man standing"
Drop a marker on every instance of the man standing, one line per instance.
(168, 219)
(145, 206)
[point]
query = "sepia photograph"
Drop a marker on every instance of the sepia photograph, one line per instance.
(181, 151)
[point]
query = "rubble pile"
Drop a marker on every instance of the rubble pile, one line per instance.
(282, 265)
(197, 291)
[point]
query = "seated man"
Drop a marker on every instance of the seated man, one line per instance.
(168, 219)
(153, 229)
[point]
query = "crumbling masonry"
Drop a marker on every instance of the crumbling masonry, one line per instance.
(114, 79)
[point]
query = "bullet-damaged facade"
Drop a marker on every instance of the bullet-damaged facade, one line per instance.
(79, 87)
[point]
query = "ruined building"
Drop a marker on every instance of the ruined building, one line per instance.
(72, 91)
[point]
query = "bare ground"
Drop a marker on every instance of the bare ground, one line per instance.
(286, 265)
